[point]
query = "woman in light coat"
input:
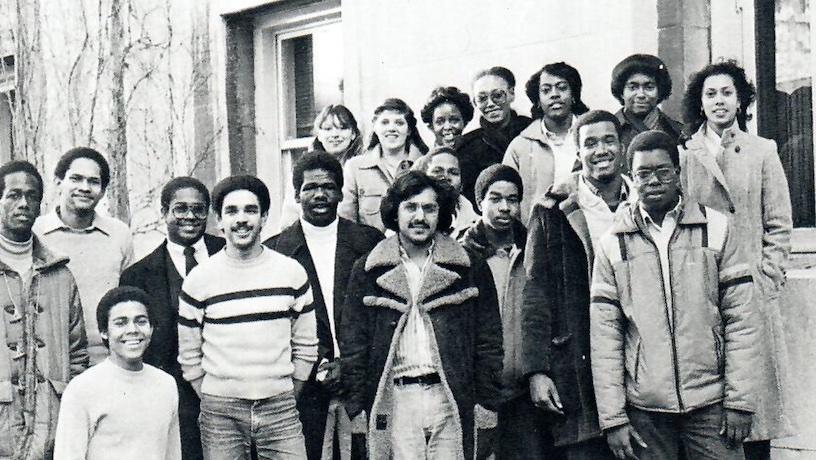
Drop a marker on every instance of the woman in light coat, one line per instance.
(395, 144)
(730, 170)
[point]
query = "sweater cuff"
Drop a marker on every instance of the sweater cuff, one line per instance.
(303, 369)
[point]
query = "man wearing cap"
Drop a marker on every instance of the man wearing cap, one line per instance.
(641, 82)
(499, 238)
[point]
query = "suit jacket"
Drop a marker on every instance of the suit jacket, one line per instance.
(156, 274)
(353, 241)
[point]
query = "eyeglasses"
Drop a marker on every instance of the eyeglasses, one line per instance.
(181, 210)
(665, 175)
(498, 96)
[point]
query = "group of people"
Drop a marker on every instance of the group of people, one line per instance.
(579, 285)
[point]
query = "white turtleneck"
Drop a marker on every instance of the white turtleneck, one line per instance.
(18, 255)
(322, 243)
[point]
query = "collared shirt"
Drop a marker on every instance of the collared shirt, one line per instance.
(661, 234)
(414, 356)
(499, 264)
(598, 215)
(713, 141)
(98, 255)
(322, 243)
(176, 251)
(565, 152)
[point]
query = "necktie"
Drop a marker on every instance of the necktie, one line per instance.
(189, 260)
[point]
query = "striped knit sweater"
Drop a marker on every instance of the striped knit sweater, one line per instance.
(247, 327)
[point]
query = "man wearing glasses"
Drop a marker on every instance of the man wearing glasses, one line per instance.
(184, 206)
(493, 92)
(672, 328)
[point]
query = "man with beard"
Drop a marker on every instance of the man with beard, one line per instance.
(420, 332)
(185, 204)
(545, 152)
(494, 91)
(673, 333)
(326, 246)
(564, 230)
(99, 247)
(259, 345)
(43, 333)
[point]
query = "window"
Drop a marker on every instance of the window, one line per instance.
(310, 77)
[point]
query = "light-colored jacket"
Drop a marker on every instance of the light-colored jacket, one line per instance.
(51, 302)
(531, 155)
(365, 180)
(749, 179)
(640, 357)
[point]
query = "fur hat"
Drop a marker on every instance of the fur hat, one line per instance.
(645, 64)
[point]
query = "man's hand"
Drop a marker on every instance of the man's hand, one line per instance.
(298, 384)
(620, 441)
(735, 426)
(333, 379)
(544, 394)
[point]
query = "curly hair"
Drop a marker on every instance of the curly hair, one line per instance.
(693, 115)
(451, 95)
(410, 184)
(558, 69)
(177, 183)
(645, 64)
(394, 104)
(64, 163)
(342, 116)
(317, 159)
(240, 182)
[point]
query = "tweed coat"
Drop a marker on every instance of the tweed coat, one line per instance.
(457, 301)
(748, 180)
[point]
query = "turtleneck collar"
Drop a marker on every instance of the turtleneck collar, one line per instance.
(16, 247)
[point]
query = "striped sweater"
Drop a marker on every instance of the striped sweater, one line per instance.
(247, 327)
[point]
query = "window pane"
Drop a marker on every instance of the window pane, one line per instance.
(794, 101)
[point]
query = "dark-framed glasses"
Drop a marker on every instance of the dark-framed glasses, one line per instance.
(181, 211)
(497, 96)
(664, 175)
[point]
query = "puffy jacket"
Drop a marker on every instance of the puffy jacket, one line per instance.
(706, 354)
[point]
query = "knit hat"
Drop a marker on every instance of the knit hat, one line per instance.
(641, 63)
(496, 173)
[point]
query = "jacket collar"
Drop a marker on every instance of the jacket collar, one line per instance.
(291, 240)
(44, 259)
(372, 158)
(629, 219)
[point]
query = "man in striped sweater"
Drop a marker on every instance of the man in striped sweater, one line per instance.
(247, 333)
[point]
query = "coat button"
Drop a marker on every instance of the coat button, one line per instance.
(13, 346)
(737, 149)
(9, 309)
(393, 324)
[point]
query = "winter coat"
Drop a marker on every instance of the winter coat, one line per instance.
(59, 346)
(365, 180)
(483, 147)
(706, 353)
(555, 317)
(531, 155)
(475, 240)
(458, 304)
(749, 180)
(632, 127)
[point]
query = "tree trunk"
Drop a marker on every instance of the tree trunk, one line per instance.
(117, 133)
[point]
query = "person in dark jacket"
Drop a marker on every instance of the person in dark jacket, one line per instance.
(420, 333)
(185, 204)
(493, 93)
(326, 245)
(641, 82)
(564, 229)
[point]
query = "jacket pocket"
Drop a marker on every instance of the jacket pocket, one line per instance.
(719, 349)
(633, 361)
(370, 200)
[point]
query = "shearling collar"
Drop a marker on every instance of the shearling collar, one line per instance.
(446, 252)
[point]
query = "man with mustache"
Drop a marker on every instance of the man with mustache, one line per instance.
(99, 247)
(673, 333)
(420, 332)
(565, 227)
(247, 334)
(42, 328)
(326, 246)
(185, 204)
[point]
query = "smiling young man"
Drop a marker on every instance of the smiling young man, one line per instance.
(420, 332)
(99, 247)
(43, 332)
(121, 408)
(247, 334)
(185, 204)
(673, 332)
(494, 90)
(326, 246)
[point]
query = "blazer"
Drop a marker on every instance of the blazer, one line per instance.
(156, 275)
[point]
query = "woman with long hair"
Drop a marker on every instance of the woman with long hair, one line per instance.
(728, 169)
(395, 144)
(336, 132)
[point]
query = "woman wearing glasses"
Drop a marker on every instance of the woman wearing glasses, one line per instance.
(726, 168)
(493, 94)
(545, 152)
(394, 146)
